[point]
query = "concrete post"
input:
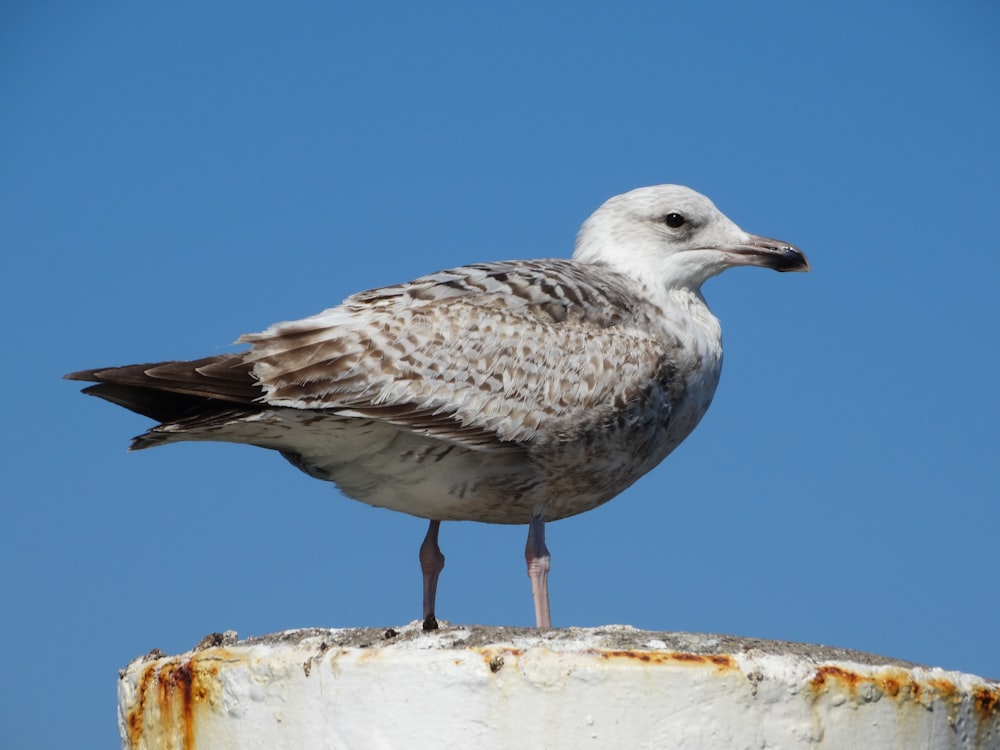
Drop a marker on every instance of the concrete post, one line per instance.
(481, 687)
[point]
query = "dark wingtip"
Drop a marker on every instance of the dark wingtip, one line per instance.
(146, 440)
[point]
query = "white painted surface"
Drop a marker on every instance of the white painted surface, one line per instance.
(612, 687)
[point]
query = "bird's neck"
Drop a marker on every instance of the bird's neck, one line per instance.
(686, 314)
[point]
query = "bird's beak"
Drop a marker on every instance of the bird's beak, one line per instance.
(768, 253)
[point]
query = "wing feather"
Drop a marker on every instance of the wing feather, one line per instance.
(226, 377)
(500, 351)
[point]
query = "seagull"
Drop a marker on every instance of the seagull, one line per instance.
(516, 392)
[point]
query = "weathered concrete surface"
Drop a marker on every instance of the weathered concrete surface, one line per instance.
(485, 687)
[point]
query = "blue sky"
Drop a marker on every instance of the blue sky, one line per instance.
(173, 175)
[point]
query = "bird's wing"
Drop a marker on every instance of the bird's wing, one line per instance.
(480, 355)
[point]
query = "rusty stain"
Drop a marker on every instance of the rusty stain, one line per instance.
(721, 661)
(944, 687)
(177, 680)
(987, 702)
(178, 688)
(900, 686)
(134, 716)
(896, 684)
(892, 687)
(494, 657)
(830, 673)
(689, 657)
(643, 656)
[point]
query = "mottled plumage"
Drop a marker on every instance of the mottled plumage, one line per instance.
(510, 392)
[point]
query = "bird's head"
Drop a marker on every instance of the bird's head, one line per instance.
(671, 236)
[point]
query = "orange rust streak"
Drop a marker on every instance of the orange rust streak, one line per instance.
(176, 681)
(134, 717)
(893, 685)
(835, 674)
(987, 702)
(722, 661)
(944, 687)
(688, 657)
(180, 687)
(946, 690)
(901, 686)
(646, 657)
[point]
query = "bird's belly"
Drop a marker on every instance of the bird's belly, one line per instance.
(467, 485)
(445, 483)
(430, 479)
(393, 467)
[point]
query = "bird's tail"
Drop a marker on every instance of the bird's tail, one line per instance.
(183, 396)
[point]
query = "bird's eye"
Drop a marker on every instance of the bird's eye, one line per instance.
(674, 220)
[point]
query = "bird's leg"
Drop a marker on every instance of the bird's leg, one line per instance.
(431, 565)
(536, 554)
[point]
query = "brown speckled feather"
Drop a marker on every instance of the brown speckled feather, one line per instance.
(528, 351)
